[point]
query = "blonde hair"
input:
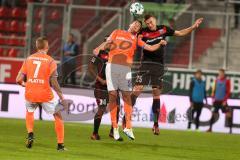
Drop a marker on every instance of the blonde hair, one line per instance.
(41, 43)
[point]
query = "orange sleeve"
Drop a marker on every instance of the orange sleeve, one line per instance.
(113, 35)
(141, 43)
(24, 67)
(53, 67)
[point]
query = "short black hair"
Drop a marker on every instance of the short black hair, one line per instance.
(198, 71)
(106, 37)
(222, 70)
(147, 16)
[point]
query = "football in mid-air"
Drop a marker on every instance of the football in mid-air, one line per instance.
(136, 9)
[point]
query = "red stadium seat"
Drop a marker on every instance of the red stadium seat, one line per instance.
(16, 12)
(3, 12)
(25, 12)
(23, 27)
(1, 52)
(55, 1)
(3, 25)
(13, 52)
(67, 1)
(37, 28)
(22, 42)
(55, 15)
(13, 41)
(14, 26)
(2, 40)
(38, 13)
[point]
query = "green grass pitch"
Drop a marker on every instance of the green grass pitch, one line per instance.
(169, 145)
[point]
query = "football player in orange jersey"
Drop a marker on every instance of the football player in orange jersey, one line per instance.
(39, 70)
(122, 45)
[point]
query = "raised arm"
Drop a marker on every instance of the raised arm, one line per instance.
(100, 47)
(188, 30)
(154, 47)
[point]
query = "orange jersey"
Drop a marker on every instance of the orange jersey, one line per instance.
(38, 69)
(123, 47)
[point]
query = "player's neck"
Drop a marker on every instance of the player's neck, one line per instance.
(155, 28)
(42, 51)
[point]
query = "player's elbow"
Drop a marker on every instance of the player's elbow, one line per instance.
(18, 80)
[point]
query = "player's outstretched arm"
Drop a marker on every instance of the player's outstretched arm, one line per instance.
(188, 30)
(154, 47)
(56, 86)
(101, 47)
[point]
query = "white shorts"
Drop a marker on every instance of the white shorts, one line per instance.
(118, 77)
(48, 107)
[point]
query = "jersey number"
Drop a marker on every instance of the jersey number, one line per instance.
(38, 63)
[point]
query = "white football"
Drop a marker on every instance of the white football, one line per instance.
(136, 9)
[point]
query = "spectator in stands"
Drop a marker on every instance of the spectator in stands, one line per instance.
(70, 51)
(197, 95)
(237, 11)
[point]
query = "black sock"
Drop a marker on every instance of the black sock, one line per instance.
(211, 122)
(111, 130)
(40, 113)
(97, 121)
(189, 125)
(134, 99)
(156, 111)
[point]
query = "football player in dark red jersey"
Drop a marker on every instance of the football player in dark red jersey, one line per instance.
(152, 63)
(99, 60)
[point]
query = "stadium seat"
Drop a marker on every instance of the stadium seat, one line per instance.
(55, 15)
(28, 1)
(55, 1)
(38, 13)
(37, 28)
(3, 25)
(3, 12)
(13, 52)
(23, 27)
(14, 26)
(1, 52)
(16, 12)
(25, 12)
(67, 1)
(2, 40)
(22, 42)
(13, 41)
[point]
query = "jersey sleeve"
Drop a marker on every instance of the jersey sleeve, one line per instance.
(24, 67)
(169, 31)
(140, 42)
(112, 35)
(53, 67)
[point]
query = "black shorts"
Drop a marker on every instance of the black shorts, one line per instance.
(197, 105)
(102, 96)
(149, 73)
(218, 105)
